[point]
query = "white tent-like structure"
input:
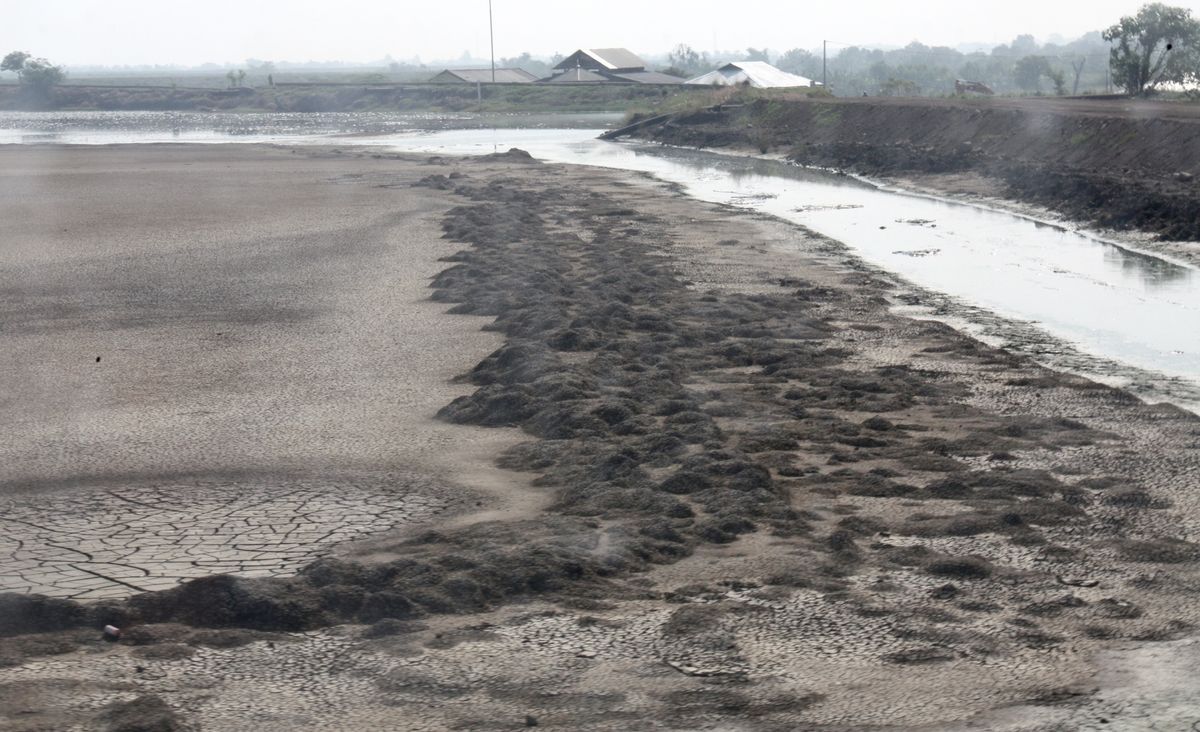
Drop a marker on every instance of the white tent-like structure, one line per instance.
(758, 74)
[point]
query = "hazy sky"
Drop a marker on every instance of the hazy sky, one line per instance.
(115, 32)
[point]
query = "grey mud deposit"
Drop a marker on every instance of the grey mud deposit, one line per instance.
(770, 503)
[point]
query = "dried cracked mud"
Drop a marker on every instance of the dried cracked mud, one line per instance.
(106, 543)
(701, 477)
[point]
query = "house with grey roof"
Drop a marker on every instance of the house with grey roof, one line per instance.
(606, 66)
(483, 76)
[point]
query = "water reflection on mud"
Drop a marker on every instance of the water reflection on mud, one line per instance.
(1110, 303)
(100, 128)
(1152, 270)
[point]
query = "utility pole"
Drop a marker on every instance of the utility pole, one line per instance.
(824, 64)
(492, 38)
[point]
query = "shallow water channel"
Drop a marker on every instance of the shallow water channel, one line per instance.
(1113, 313)
(1071, 299)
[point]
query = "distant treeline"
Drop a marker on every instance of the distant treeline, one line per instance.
(1021, 67)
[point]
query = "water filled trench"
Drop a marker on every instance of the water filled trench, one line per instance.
(1127, 318)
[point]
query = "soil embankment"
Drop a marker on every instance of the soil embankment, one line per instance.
(772, 502)
(297, 97)
(1117, 164)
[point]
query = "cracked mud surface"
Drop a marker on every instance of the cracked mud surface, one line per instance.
(201, 395)
(105, 543)
(770, 504)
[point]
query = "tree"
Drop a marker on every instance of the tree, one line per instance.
(1159, 45)
(881, 72)
(14, 61)
(800, 61)
(527, 62)
(686, 61)
(36, 73)
(1024, 45)
(899, 88)
(757, 54)
(41, 74)
(1029, 71)
(1057, 78)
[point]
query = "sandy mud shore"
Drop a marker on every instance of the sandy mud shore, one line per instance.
(217, 361)
(636, 462)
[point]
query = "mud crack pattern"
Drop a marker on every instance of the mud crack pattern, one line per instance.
(111, 543)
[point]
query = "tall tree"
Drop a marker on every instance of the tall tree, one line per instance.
(1028, 73)
(36, 73)
(14, 61)
(687, 61)
(527, 62)
(41, 74)
(1159, 45)
(800, 61)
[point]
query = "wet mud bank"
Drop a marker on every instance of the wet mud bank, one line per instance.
(771, 502)
(1125, 166)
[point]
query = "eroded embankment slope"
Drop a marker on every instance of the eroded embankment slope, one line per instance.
(1123, 165)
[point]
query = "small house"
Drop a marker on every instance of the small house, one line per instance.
(484, 76)
(606, 66)
(758, 74)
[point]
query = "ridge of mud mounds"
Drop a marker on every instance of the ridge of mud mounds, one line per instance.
(702, 418)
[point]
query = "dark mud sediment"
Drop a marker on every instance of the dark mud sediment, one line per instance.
(798, 485)
(1128, 168)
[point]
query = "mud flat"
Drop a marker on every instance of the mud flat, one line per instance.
(734, 491)
(193, 346)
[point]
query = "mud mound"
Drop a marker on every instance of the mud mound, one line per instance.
(223, 601)
(513, 155)
(39, 614)
(147, 713)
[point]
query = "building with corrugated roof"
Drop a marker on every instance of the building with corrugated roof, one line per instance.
(603, 59)
(484, 76)
(758, 74)
(606, 66)
(575, 76)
